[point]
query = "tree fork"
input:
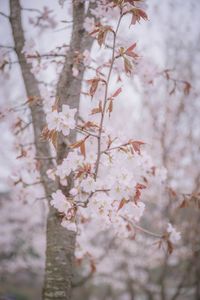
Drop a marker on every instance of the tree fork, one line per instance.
(60, 243)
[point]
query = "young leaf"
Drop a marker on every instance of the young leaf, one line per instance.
(137, 14)
(187, 88)
(96, 110)
(77, 144)
(103, 30)
(118, 91)
(82, 149)
(127, 66)
(138, 189)
(136, 145)
(122, 203)
(94, 85)
(110, 107)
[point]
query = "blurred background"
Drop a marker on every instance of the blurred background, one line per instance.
(163, 108)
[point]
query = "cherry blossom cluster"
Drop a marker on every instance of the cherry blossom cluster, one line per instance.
(109, 171)
(62, 121)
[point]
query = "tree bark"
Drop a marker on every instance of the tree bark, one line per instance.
(69, 87)
(60, 243)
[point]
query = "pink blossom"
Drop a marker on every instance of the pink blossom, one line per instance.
(88, 184)
(73, 191)
(133, 211)
(69, 225)
(174, 235)
(51, 174)
(62, 121)
(59, 201)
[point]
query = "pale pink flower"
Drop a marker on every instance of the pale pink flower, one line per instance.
(53, 121)
(73, 192)
(174, 235)
(59, 201)
(63, 169)
(51, 174)
(69, 225)
(64, 182)
(62, 121)
(88, 184)
(132, 210)
(69, 164)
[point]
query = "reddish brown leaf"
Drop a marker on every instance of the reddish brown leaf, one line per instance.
(93, 266)
(77, 144)
(82, 149)
(137, 14)
(80, 144)
(184, 204)
(32, 100)
(131, 48)
(142, 14)
(89, 124)
(110, 107)
(127, 66)
(54, 138)
(138, 189)
(122, 203)
(170, 247)
(136, 145)
(94, 31)
(172, 192)
(187, 88)
(96, 110)
(118, 91)
(103, 30)
(130, 52)
(94, 85)
(50, 135)
(55, 105)
(22, 154)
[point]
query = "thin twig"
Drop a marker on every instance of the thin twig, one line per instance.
(4, 15)
(32, 10)
(86, 132)
(7, 47)
(143, 229)
(44, 158)
(106, 98)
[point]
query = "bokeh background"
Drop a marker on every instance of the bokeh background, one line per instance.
(162, 106)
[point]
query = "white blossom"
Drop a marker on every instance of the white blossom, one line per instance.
(174, 235)
(88, 184)
(133, 211)
(69, 225)
(73, 191)
(62, 121)
(59, 201)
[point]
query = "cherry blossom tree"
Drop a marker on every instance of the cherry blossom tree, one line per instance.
(74, 149)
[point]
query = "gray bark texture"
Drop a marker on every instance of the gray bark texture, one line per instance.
(60, 243)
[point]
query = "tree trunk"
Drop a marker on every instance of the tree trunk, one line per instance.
(60, 241)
